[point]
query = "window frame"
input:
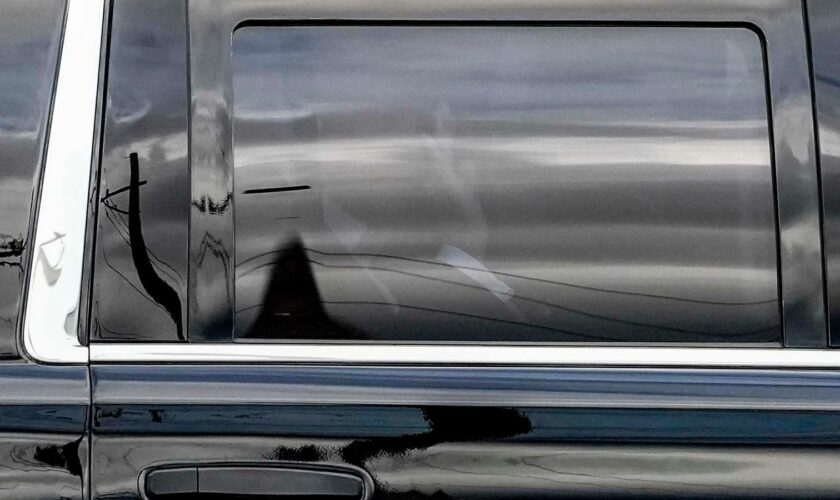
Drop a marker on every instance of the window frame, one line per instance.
(664, 30)
(211, 24)
(67, 191)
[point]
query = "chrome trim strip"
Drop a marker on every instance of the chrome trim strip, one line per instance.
(52, 307)
(574, 387)
(733, 357)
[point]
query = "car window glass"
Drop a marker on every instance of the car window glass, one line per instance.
(30, 36)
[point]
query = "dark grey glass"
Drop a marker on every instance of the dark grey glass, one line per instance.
(140, 268)
(507, 183)
(30, 36)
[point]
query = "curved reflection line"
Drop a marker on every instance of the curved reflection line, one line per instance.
(121, 275)
(121, 335)
(529, 299)
(510, 322)
(545, 303)
(123, 225)
(454, 313)
(510, 275)
(119, 228)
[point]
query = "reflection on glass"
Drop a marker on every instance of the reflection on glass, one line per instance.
(30, 36)
(551, 184)
(140, 267)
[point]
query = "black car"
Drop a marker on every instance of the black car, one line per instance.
(437, 249)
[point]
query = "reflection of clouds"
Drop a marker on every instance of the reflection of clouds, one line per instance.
(29, 39)
(597, 151)
(476, 271)
(830, 140)
(14, 201)
(611, 72)
(346, 228)
(609, 183)
(130, 107)
(147, 112)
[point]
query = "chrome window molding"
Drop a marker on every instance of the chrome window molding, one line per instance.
(729, 357)
(52, 307)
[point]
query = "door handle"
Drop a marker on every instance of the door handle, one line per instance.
(255, 481)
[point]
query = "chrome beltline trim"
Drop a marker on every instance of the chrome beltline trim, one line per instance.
(51, 316)
(734, 357)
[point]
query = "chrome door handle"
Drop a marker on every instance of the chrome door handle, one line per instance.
(255, 481)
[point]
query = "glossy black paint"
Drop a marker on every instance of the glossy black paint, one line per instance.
(480, 432)
(43, 410)
(442, 432)
(823, 21)
(140, 270)
(243, 385)
(43, 432)
(30, 33)
(491, 469)
(675, 426)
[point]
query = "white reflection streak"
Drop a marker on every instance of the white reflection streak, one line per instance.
(476, 271)
(348, 230)
(556, 151)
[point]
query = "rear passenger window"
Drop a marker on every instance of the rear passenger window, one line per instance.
(30, 35)
(502, 184)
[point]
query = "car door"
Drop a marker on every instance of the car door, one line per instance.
(43, 409)
(439, 250)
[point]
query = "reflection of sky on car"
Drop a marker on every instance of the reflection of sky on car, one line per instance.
(146, 115)
(617, 74)
(616, 180)
(29, 37)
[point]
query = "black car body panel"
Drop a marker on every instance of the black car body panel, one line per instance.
(703, 232)
(43, 409)
(480, 432)
(44, 431)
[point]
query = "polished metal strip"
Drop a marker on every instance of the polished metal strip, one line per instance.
(575, 387)
(468, 355)
(52, 308)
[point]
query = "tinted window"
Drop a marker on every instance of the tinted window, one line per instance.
(30, 35)
(547, 184)
(141, 252)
